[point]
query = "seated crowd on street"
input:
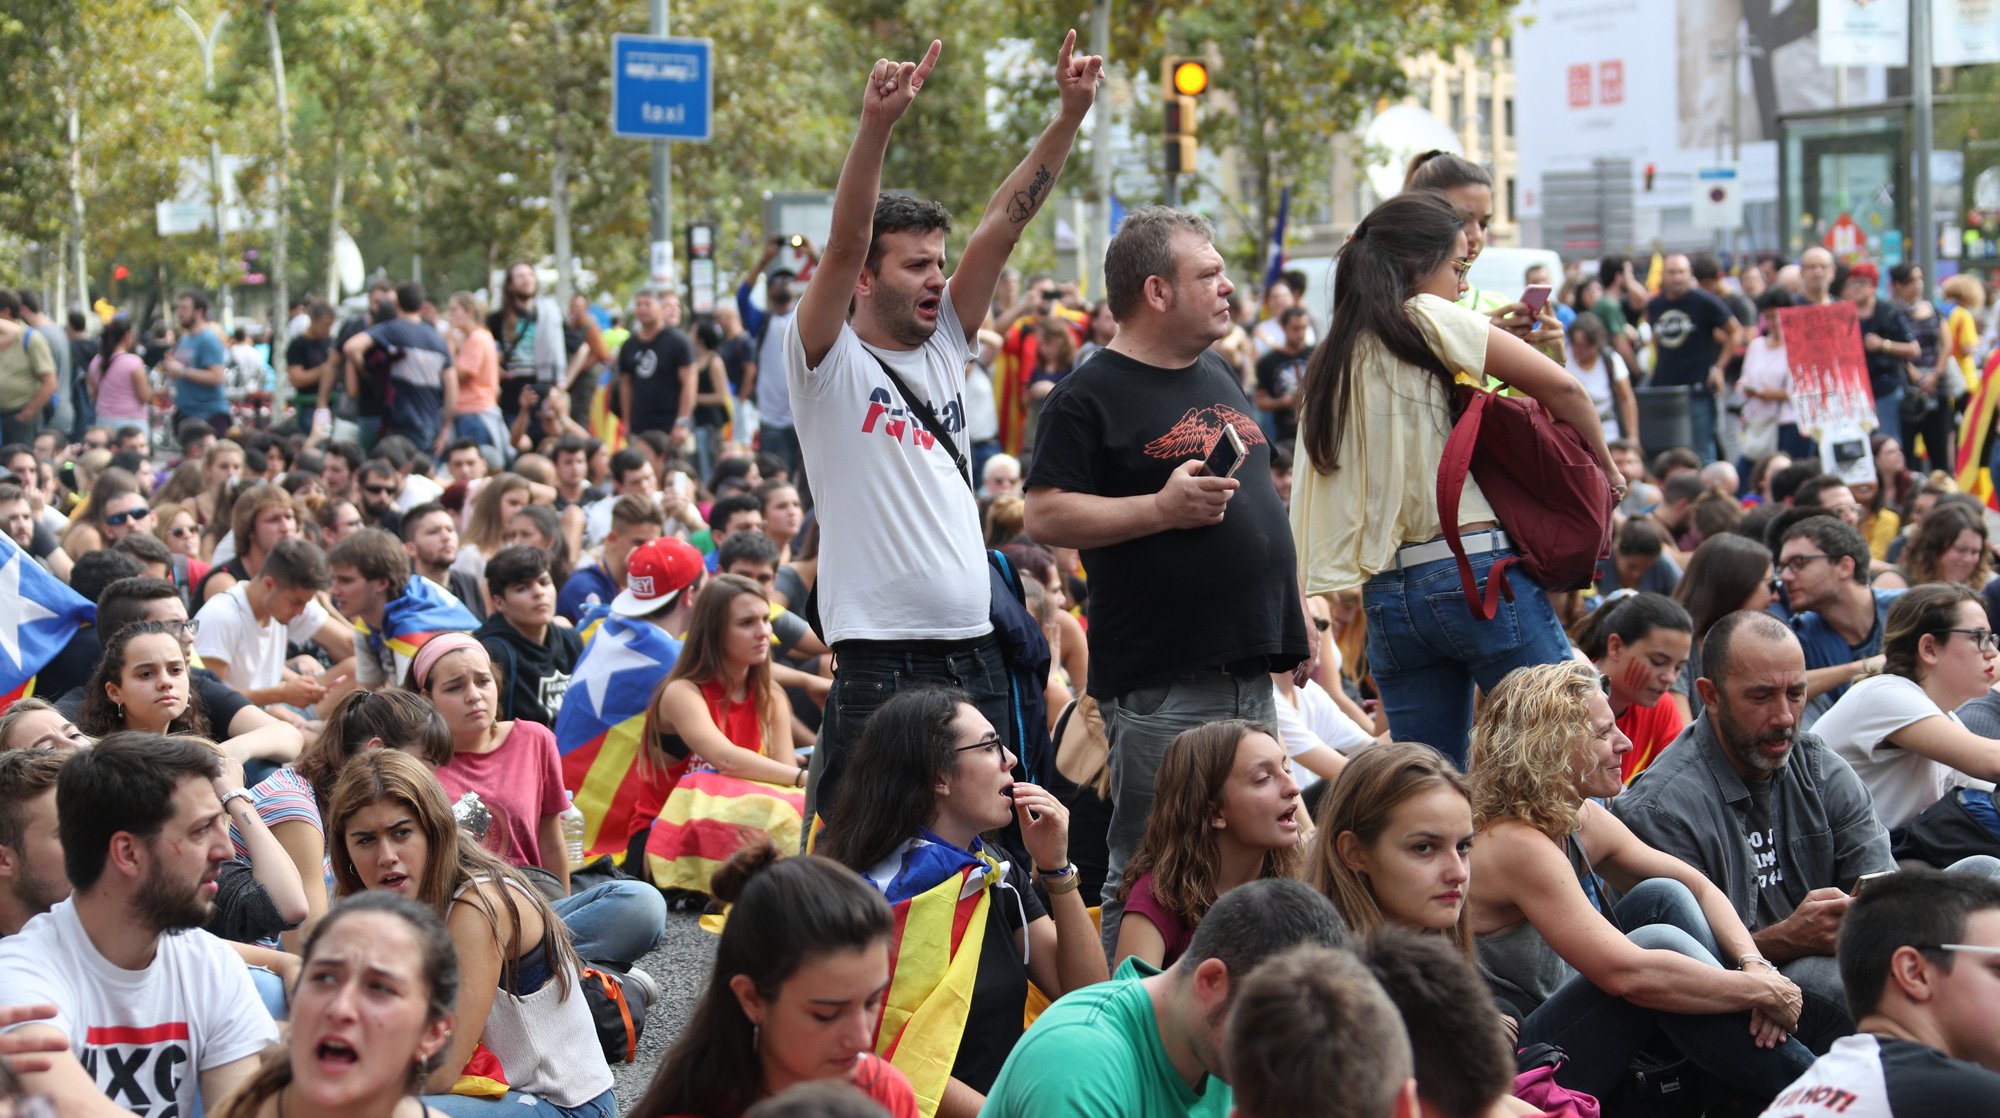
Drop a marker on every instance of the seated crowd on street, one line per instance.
(1049, 707)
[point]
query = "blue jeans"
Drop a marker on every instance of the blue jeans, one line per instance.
(616, 922)
(271, 990)
(1602, 1033)
(465, 1106)
(1889, 415)
(1427, 649)
(1701, 421)
(1140, 724)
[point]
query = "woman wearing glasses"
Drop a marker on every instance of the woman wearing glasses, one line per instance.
(1897, 729)
(1594, 978)
(940, 781)
(725, 730)
(1376, 408)
(114, 510)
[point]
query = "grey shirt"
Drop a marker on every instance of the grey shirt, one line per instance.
(1687, 804)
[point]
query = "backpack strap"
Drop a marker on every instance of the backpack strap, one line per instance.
(1452, 470)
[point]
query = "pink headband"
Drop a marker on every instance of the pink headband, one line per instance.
(435, 649)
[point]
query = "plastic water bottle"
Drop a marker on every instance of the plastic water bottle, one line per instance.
(572, 831)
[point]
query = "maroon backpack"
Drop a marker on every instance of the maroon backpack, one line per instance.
(1545, 486)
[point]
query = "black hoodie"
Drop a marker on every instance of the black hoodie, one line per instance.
(537, 675)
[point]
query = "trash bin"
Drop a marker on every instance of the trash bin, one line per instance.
(1663, 418)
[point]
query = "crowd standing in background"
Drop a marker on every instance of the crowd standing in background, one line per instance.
(1065, 706)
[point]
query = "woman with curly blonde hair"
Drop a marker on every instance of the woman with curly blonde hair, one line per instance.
(1593, 978)
(1225, 811)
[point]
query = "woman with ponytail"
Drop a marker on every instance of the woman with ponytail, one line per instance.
(117, 378)
(1640, 644)
(1376, 407)
(372, 1012)
(1470, 187)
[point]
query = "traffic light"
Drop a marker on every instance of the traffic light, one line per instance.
(1182, 80)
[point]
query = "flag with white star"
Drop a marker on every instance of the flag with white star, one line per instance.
(38, 616)
(600, 731)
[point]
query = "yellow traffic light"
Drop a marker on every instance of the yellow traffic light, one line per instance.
(1188, 77)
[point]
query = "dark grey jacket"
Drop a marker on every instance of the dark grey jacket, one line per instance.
(1684, 804)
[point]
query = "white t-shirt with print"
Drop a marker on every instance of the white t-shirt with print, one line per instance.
(255, 653)
(144, 1036)
(1857, 727)
(901, 554)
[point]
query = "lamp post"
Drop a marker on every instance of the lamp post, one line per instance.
(207, 42)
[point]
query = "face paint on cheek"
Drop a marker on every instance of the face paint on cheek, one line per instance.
(1637, 676)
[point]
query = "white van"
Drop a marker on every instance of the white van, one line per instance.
(1499, 269)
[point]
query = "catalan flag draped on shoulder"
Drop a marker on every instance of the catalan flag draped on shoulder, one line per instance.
(423, 610)
(600, 731)
(1975, 434)
(939, 894)
(38, 616)
(711, 815)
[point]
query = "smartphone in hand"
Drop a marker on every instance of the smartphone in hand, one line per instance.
(1536, 298)
(1226, 457)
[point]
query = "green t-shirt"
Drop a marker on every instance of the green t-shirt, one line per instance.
(1096, 1053)
(1613, 314)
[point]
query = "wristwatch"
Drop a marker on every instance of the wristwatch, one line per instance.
(236, 794)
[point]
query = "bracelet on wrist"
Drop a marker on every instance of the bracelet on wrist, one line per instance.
(1745, 960)
(1068, 881)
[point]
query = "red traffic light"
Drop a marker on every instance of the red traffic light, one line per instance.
(120, 272)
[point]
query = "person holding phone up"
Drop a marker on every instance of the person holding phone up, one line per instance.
(1470, 187)
(1194, 596)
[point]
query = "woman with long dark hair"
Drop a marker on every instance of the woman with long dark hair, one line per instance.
(800, 977)
(1726, 573)
(118, 380)
(726, 728)
(1376, 407)
(1640, 643)
(939, 780)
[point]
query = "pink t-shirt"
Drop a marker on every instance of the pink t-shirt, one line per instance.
(478, 366)
(520, 782)
(117, 398)
(1175, 931)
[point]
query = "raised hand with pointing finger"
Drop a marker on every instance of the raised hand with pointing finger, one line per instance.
(892, 86)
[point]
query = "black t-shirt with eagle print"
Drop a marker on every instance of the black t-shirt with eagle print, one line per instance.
(1179, 600)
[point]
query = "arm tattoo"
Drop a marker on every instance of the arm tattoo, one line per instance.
(1025, 202)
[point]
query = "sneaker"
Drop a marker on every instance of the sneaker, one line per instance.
(649, 987)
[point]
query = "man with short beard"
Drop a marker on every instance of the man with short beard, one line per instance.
(1770, 814)
(430, 537)
(31, 869)
(156, 1014)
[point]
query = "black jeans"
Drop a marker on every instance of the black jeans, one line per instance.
(870, 672)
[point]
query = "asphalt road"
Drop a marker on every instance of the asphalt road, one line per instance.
(680, 965)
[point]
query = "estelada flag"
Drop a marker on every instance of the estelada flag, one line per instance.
(38, 616)
(423, 610)
(938, 896)
(1974, 433)
(600, 731)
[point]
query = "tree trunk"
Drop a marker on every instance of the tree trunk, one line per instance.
(559, 176)
(280, 267)
(76, 213)
(333, 220)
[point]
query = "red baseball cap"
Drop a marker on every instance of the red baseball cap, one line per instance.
(1865, 271)
(656, 574)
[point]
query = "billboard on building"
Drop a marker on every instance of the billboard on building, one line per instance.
(1665, 84)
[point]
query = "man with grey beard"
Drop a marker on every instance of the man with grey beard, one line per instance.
(1770, 814)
